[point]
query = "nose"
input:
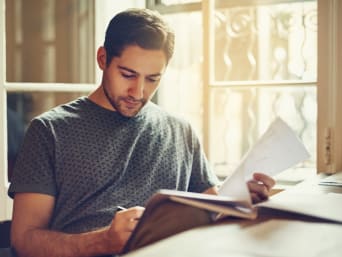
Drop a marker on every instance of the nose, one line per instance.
(137, 88)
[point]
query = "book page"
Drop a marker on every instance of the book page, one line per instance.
(277, 149)
(325, 206)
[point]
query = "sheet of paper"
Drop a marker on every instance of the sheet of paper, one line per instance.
(235, 186)
(326, 206)
(278, 148)
(332, 180)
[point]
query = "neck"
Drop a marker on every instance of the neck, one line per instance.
(99, 97)
(108, 97)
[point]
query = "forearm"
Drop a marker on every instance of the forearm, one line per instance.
(42, 243)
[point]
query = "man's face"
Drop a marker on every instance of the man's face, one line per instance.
(131, 79)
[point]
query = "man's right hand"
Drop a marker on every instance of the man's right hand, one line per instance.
(122, 227)
(31, 236)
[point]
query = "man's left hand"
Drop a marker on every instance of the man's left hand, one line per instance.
(260, 187)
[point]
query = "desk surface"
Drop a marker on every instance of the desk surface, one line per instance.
(274, 233)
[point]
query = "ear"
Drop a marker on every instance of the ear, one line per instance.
(101, 57)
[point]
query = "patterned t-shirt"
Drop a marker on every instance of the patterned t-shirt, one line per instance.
(92, 159)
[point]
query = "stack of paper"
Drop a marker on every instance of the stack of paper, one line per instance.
(332, 180)
(324, 206)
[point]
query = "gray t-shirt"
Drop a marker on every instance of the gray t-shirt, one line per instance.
(92, 159)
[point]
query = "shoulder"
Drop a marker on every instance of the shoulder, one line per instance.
(63, 112)
(156, 112)
(165, 120)
(59, 116)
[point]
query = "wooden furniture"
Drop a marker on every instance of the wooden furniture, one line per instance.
(274, 233)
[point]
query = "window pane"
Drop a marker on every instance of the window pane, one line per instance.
(21, 108)
(249, 46)
(269, 42)
(50, 41)
(241, 116)
(181, 89)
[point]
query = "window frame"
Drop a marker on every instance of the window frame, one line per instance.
(329, 124)
(329, 87)
(207, 8)
(6, 87)
(209, 81)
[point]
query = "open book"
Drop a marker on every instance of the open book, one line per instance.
(278, 149)
(220, 206)
(167, 213)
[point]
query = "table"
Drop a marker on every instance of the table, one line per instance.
(274, 233)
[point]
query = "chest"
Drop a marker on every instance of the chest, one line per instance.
(108, 157)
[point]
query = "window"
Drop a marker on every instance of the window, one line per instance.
(229, 106)
(237, 67)
(50, 41)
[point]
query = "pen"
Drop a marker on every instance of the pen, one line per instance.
(120, 208)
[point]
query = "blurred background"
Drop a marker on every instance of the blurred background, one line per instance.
(263, 63)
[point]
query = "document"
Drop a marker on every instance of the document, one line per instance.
(279, 148)
(324, 206)
(332, 180)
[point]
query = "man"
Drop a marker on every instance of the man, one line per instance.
(15, 135)
(82, 160)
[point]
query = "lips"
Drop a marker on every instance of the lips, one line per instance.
(131, 104)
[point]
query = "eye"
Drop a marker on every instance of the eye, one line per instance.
(128, 76)
(153, 79)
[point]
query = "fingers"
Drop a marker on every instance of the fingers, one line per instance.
(256, 198)
(123, 223)
(128, 219)
(265, 179)
(260, 187)
(258, 191)
(132, 213)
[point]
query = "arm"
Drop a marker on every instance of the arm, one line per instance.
(31, 237)
(259, 187)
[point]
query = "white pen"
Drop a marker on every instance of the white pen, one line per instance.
(120, 208)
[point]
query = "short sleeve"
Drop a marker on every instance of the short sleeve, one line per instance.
(34, 168)
(202, 177)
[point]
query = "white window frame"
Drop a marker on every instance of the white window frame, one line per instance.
(209, 82)
(5, 87)
(329, 87)
(329, 82)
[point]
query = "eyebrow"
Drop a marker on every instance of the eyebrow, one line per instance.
(135, 72)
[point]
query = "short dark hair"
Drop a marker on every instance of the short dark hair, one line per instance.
(142, 27)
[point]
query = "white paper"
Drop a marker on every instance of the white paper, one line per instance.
(278, 148)
(326, 206)
(235, 186)
(332, 180)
